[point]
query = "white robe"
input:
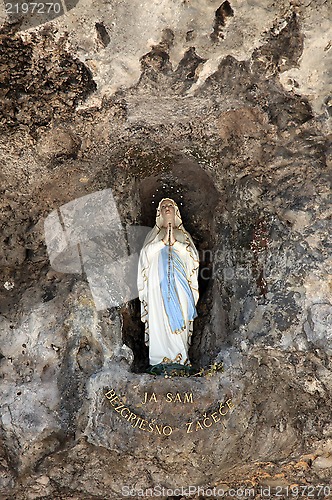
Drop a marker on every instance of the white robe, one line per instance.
(164, 345)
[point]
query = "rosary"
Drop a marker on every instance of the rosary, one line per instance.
(169, 261)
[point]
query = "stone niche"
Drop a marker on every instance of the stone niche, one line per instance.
(194, 191)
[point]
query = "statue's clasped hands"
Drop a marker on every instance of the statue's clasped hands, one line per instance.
(168, 214)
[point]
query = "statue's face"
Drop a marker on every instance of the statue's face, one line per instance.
(168, 212)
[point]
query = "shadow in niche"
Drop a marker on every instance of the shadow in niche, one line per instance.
(194, 191)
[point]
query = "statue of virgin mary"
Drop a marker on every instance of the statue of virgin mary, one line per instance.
(168, 287)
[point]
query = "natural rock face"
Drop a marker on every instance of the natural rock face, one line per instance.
(225, 108)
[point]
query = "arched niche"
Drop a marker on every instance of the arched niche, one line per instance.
(194, 191)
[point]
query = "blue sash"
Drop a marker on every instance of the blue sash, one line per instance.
(168, 286)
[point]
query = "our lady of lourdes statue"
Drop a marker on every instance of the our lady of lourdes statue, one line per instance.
(168, 287)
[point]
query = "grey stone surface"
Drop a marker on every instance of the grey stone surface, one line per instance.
(224, 107)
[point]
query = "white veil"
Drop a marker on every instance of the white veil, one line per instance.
(179, 232)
